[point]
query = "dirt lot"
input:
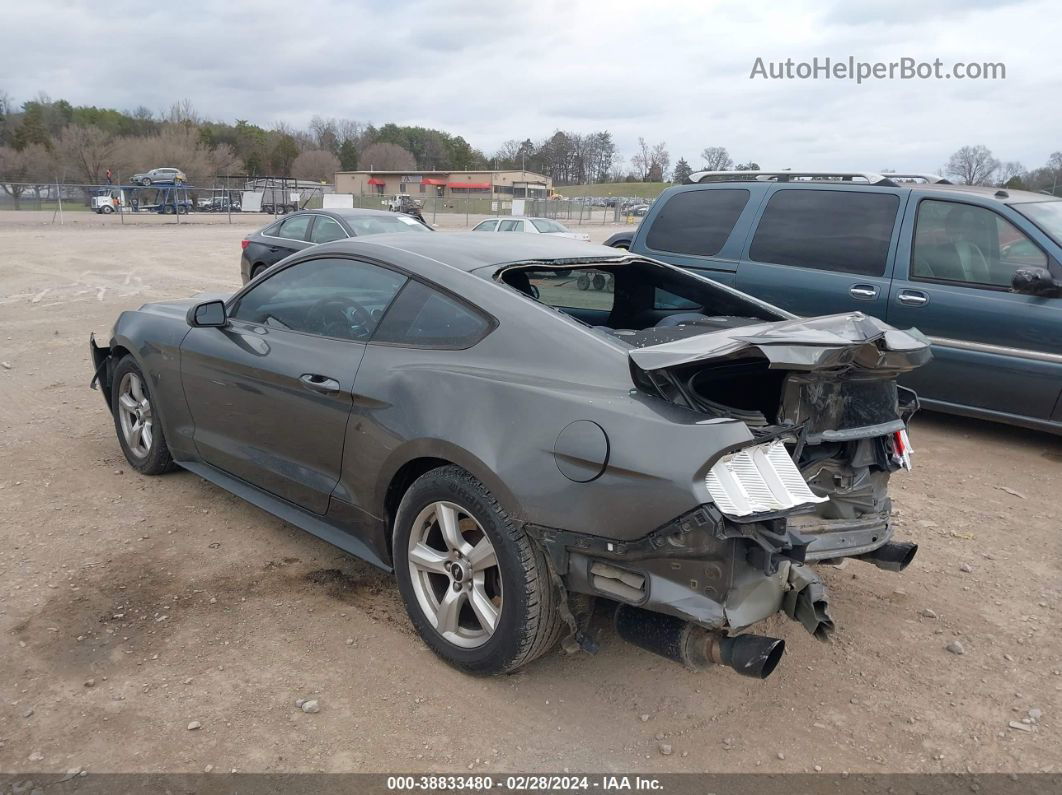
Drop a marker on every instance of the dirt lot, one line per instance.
(132, 606)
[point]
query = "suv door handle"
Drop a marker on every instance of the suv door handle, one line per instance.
(912, 297)
(864, 292)
(319, 383)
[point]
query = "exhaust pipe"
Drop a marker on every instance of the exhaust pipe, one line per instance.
(894, 556)
(695, 647)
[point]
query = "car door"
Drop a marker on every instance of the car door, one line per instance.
(823, 249)
(510, 225)
(270, 392)
(291, 235)
(700, 228)
(993, 349)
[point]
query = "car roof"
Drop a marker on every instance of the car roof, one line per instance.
(469, 251)
(518, 218)
(1005, 195)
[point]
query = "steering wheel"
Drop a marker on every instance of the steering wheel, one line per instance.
(330, 317)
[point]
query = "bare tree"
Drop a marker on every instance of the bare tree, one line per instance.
(386, 157)
(317, 164)
(32, 166)
(642, 160)
(972, 165)
(1008, 171)
(88, 152)
(660, 165)
(716, 158)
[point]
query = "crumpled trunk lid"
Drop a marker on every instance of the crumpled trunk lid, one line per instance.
(851, 341)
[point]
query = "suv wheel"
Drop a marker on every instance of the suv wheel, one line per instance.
(476, 588)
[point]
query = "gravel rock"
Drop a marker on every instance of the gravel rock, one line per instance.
(966, 567)
(1036, 714)
(28, 713)
(1024, 727)
(666, 749)
(643, 717)
(90, 683)
(955, 647)
(781, 756)
(36, 756)
(299, 702)
(311, 706)
(194, 725)
(928, 613)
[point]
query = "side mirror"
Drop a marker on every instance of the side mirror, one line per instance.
(1036, 281)
(209, 314)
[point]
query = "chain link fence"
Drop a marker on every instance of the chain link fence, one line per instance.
(179, 201)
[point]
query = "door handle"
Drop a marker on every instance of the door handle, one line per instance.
(319, 383)
(912, 297)
(274, 249)
(863, 292)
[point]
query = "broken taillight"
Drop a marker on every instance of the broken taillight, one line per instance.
(902, 447)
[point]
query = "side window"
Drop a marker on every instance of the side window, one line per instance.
(326, 229)
(423, 317)
(697, 222)
(586, 288)
(509, 226)
(845, 231)
(331, 297)
(294, 228)
(662, 299)
(962, 243)
(272, 229)
(486, 226)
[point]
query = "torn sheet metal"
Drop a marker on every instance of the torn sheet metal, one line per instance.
(851, 339)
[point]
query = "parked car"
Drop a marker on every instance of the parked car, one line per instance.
(675, 448)
(538, 226)
(160, 176)
(976, 269)
(300, 230)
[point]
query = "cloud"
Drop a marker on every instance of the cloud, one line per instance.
(675, 72)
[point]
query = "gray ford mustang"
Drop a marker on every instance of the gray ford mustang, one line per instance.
(520, 425)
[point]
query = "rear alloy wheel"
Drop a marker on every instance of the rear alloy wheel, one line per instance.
(139, 432)
(477, 589)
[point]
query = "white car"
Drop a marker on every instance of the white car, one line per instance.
(540, 226)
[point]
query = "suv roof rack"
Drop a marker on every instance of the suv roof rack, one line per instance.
(869, 177)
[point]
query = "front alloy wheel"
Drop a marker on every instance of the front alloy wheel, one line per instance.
(455, 575)
(134, 415)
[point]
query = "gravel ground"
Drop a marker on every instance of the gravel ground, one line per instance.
(160, 624)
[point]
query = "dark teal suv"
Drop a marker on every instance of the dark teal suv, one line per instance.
(975, 269)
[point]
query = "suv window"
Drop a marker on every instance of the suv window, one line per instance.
(963, 243)
(697, 222)
(424, 317)
(326, 229)
(295, 227)
(846, 231)
(330, 297)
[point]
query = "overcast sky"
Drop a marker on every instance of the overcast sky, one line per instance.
(669, 71)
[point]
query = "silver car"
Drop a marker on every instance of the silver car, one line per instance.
(541, 226)
(160, 176)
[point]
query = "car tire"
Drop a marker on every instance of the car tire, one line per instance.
(521, 598)
(145, 181)
(257, 270)
(132, 404)
(107, 209)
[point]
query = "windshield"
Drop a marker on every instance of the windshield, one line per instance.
(1046, 215)
(382, 224)
(546, 225)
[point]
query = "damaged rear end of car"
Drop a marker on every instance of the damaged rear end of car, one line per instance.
(828, 428)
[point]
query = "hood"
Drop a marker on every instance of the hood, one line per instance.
(571, 235)
(851, 339)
